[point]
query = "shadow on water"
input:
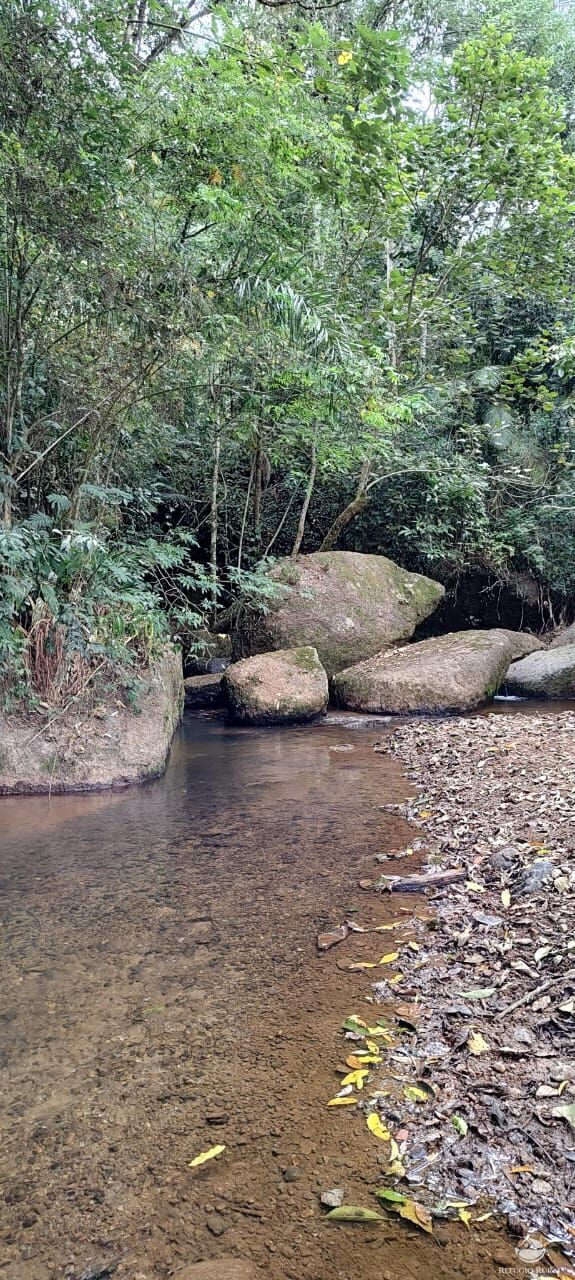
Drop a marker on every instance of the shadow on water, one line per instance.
(162, 993)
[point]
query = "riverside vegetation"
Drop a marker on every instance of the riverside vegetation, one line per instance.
(276, 277)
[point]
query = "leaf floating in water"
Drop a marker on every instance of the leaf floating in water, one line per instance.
(354, 1213)
(353, 1023)
(356, 1078)
(357, 1061)
(331, 939)
(206, 1155)
(375, 1126)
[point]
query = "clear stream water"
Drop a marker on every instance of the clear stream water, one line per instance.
(162, 992)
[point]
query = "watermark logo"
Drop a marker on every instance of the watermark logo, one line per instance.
(530, 1250)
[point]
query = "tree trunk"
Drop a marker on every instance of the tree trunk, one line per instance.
(345, 517)
(214, 520)
(352, 510)
(305, 504)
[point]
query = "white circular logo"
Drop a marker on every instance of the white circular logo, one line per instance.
(530, 1250)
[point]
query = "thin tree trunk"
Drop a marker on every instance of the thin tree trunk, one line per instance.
(245, 515)
(258, 489)
(353, 509)
(305, 504)
(214, 519)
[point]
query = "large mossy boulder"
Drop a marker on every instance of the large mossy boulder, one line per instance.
(348, 606)
(550, 674)
(454, 672)
(92, 747)
(284, 687)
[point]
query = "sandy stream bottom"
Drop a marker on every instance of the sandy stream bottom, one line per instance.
(162, 992)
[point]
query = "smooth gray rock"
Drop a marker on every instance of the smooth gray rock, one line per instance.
(549, 674)
(455, 672)
(288, 686)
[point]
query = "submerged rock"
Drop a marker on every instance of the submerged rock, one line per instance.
(204, 691)
(550, 674)
(349, 606)
(454, 672)
(92, 748)
(289, 685)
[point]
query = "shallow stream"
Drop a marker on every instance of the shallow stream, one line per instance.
(162, 992)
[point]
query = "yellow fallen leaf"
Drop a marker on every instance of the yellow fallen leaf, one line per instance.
(414, 1094)
(206, 1155)
(418, 1214)
(506, 898)
(390, 957)
(376, 1127)
(464, 1216)
(362, 964)
(425, 813)
(356, 1078)
(383, 928)
(357, 1061)
(393, 981)
(476, 1044)
(373, 1046)
(474, 887)
(522, 1168)
(348, 1101)
(484, 1216)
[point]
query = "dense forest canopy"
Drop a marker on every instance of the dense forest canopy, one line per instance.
(279, 276)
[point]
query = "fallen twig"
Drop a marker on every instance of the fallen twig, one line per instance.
(429, 880)
(535, 991)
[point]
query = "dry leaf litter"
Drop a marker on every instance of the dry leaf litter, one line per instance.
(467, 1081)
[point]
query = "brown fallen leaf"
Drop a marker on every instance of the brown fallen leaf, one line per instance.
(332, 937)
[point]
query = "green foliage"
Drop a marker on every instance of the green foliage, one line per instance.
(263, 278)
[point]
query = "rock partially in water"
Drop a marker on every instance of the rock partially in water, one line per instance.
(91, 748)
(349, 606)
(455, 672)
(550, 674)
(202, 692)
(285, 687)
